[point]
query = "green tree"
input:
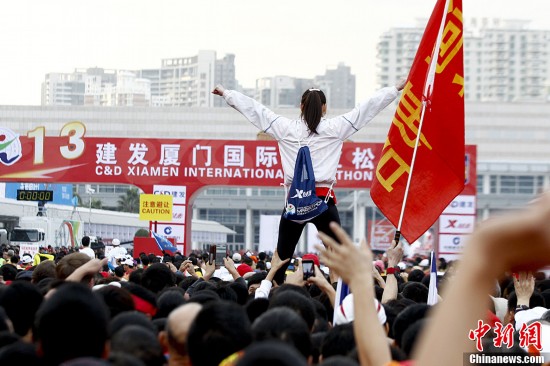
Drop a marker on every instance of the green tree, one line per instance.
(96, 203)
(142, 233)
(129, 202)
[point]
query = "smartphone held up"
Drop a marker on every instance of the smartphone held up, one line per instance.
(308, 268)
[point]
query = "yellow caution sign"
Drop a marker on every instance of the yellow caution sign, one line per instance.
(155, 207)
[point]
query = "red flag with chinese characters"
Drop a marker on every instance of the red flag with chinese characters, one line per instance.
(439, 171)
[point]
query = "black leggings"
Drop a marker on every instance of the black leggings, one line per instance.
(290, 232)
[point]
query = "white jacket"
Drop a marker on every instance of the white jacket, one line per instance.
(326, 146)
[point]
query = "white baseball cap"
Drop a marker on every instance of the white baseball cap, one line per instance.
(115, 242)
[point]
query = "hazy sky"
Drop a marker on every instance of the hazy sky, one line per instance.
(278, 37)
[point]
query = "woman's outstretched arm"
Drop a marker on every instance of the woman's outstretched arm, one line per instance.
(351, 122)
(258, 114)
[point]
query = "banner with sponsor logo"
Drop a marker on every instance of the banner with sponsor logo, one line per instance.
(178, 167)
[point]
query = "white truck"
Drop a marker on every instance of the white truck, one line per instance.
(43, 231)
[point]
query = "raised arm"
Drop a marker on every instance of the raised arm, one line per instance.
(395, 254)
(351, 122)
(258, 114)
(353, 265)
(519, 241)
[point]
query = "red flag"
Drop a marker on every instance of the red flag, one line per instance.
(438, 168)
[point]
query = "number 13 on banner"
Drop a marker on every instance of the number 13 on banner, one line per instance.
(75, 131)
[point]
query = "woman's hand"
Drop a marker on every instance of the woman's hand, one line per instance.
(401, 84)
(218, 90)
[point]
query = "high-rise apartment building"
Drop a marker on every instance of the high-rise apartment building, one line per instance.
(63, 89)
(503, 59)
(279, 91)
(179, 82)
(188, 81)
(96, 87)
(340, 86)
(285, 91)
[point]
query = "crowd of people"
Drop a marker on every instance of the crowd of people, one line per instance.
(72, 309)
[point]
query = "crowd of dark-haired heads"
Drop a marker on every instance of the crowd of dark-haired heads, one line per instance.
(168, 310)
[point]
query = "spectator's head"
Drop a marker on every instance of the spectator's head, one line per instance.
(21, 301)
(411, 335)
(271, 353)
(241, 291)
(45, 269)
(139, 342)
(26, 259)
(19, 353)
(174, 337)
(8, 271)
(130, 318)
(144, 260)
(85, 241)
(226, 293)
(157, 277)
(406, 318)
(14, 260)
(300, 304)
(135, 276)
(168, 301)
(256, 307)
(254, 281)
(247, 260)
(338, 341)
(416, 292)
(119, 271)
(72, 323)
(285, 325)
(220, 329)
(144, 300)
(69, 263)
(237, 258)
(118, 300)
(416, 275)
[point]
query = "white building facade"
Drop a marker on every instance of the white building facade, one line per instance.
(504, 60)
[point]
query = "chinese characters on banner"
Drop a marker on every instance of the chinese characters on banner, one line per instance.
(175, 167)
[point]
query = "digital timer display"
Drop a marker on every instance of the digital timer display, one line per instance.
(38, 195)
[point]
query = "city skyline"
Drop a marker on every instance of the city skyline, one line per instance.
(299, 39)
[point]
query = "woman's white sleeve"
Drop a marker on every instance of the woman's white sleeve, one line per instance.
(351, 122)
(263, 290)
(258, 114)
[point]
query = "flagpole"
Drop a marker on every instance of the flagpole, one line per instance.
(409, 178)
(428, 87)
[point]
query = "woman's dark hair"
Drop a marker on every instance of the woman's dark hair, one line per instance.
(312, 108)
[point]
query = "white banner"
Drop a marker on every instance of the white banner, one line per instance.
(452, 244)
(462, 205)
(269, 232)
(178, 214)
(178, 193)
(172, 231)
(456, 224)
(31, 249)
